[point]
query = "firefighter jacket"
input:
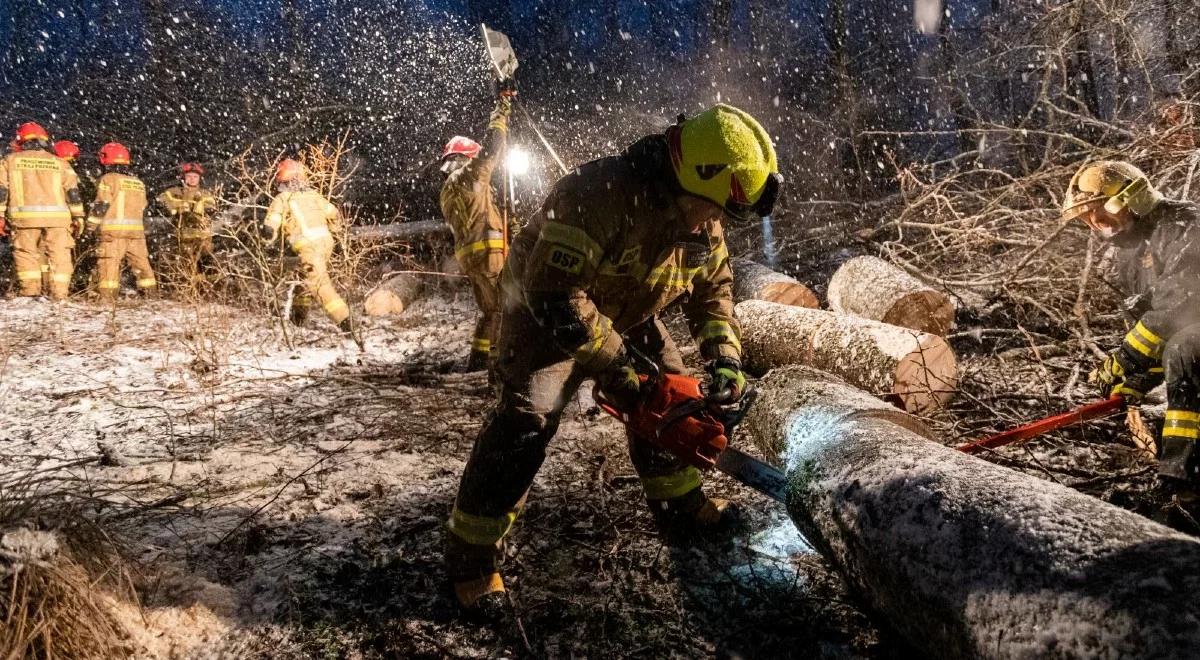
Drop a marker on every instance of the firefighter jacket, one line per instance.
(191, 208)
(1160, 264)
(468, 205)
(303, 216)
(120, 205)
(609, 249)
(38, 189)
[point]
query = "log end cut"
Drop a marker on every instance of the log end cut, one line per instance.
(382, 302)
(926, 378)
(926, 310)
(790, 293)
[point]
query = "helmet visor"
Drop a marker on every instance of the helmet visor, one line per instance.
(760, 209)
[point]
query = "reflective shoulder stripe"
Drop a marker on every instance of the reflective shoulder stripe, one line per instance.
(722, 330)
(672, 485)
(572, 237)
(481, 530)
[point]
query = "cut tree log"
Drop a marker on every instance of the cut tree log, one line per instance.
(874, 289)
(754, 281)
(964, 558)
(915, 370)
(393, 295)
(401, 231)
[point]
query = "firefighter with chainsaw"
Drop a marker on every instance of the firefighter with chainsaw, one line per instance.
(191, 207)
(1159, 243)
(616, 242)
(480, 230)
(39, 195)
(302, 215)
(117, 218)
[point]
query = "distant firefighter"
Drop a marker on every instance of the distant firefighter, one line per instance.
(191, 207)
(117, 215)
(1160, 262)
(39, 194)
(469, 206)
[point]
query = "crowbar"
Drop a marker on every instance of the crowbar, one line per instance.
(1079, 415)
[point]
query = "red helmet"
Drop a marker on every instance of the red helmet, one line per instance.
(461, 145)
(114, 153)
(289, 170)
(66, 150)
(188, 168)
(31, 131)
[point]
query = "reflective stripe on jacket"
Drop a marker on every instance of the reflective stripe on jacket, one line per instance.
(125, 197)
(190, 208)
(303, 216)
(38, 189)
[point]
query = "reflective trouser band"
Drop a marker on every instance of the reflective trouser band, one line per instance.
(481, 345)
(25, 275)
(722, 330)
(1145, 341)
(480, 530)
(479, 246)
(60, 277)
(45, 268)
(109, 284)
(146, 282)
(308, 237)
(1182, 424)
(672, 485)
(334, 305)
(125, 226)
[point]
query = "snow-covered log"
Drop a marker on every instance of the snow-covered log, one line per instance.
(964, 558)
(393, 295)
(916, 370)
(401, 231)
(874, 289)
(754, 281)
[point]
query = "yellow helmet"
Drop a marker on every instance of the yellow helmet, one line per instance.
(725, 156)
(1113, 184)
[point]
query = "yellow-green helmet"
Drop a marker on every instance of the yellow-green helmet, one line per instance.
(725, 156)
(1113, 184)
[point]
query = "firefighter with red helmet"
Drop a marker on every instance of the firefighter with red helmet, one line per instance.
(39, 196)
(480, 234)
(191, 207)
(117, 216)
(302, 215)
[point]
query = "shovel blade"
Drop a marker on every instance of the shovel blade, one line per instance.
(500, 52)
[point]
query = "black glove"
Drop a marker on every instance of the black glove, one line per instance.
(621, 383)
(506, 87)
(727, 382)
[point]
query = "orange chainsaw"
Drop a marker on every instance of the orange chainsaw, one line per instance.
(675, 415)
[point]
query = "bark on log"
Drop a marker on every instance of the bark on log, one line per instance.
(874, 289)
(754, 281)
(401, 231)
(967, 559)
(393, 295)
(915, 370)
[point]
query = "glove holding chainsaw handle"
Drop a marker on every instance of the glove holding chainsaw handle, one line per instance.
(727, 382)
(1118, 376)
(621, 383)
(506, 87)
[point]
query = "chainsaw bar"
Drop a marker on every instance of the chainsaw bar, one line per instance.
(754, 473)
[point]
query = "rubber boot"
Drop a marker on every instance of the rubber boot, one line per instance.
(478, 361)
(694, 514)
(484, 598)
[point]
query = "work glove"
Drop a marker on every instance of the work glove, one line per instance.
(1117, 377)
(727, 382)
(621, 383)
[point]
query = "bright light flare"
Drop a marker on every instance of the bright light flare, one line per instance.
(517, 161)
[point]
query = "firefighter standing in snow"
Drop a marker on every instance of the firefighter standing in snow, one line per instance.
(1159, 241)
(117, 215)
(191, 207)
(303, 216)
(468, 204)
(39, 194)
(615, 243)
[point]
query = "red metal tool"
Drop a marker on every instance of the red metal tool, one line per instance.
(1091, 411)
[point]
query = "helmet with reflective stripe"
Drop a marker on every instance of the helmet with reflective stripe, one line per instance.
(289, 170)
(463, 146)
(724, 155)
(31, 131)
(1112, 184)
(66, 150)
(188, 168)
(114, 153)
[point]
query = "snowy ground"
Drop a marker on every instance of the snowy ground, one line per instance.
(288, 502)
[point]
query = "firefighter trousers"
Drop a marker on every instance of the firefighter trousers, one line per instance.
(197, 257)
(113, 250)
(1178, 457)
(314, 267)
(486, 288)
(34, 246)
(536, 382)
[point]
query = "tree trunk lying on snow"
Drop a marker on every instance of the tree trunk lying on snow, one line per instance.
(754, 281)
(874, 289)
(916, 370)
(393, 295)
(963, 557)
(401, 231)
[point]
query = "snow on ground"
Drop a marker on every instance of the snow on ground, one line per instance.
(288, 501)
